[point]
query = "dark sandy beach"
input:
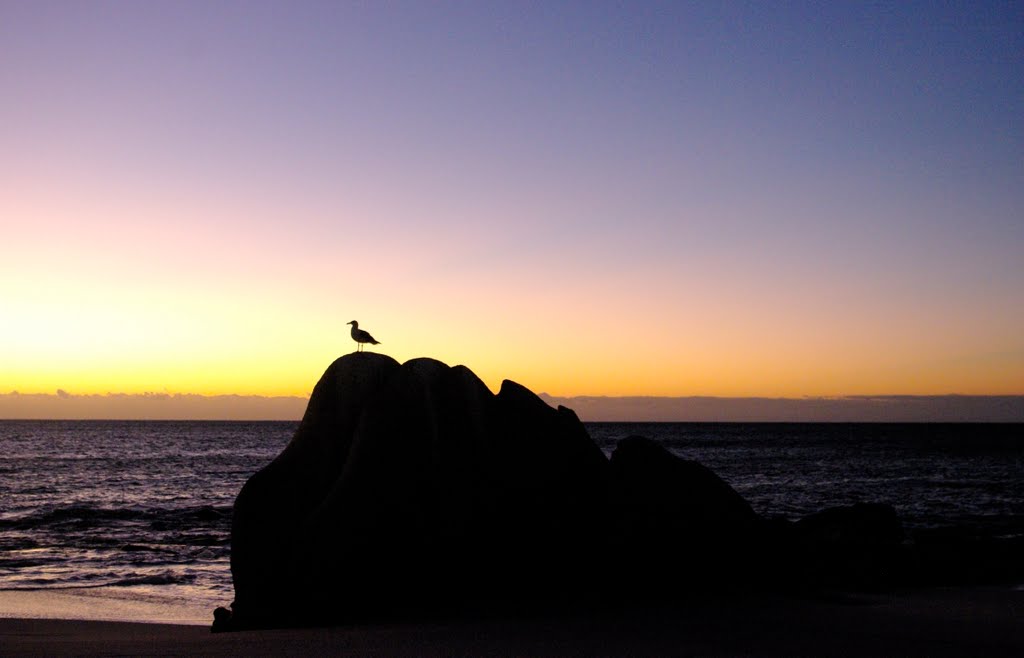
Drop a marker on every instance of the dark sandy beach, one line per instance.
(938, 622)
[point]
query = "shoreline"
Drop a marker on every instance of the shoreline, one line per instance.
(103, 604)
(940, 621)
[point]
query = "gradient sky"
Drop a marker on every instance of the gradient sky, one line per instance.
(588, 198)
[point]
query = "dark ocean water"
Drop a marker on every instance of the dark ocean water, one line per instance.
(145, 506)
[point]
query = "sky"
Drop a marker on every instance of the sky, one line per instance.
(591, 199)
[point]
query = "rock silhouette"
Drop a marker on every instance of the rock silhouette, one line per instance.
(411, 489)
(858, 544)
(675, 523)
(412, 486)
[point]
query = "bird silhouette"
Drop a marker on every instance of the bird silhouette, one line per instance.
(361, 336)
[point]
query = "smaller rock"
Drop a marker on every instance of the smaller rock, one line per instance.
(861, 523)
(221, 620)
(854, 547)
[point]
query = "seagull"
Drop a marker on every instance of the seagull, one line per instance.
(361, 336)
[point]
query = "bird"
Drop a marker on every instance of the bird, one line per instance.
(361, 336)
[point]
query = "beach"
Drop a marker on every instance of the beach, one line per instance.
(933, 622)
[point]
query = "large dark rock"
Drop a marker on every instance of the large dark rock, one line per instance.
(273, 512)
(413, 487)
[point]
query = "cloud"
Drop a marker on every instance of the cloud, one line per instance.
(883, 408)
(150, 406)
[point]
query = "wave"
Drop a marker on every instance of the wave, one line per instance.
(147, 548)
(89, 516)
(166, 578)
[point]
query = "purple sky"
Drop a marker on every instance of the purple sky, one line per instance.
(753, 199)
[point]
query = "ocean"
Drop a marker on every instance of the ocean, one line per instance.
(140, 511)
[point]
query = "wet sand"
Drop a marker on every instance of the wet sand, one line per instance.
(939, 622)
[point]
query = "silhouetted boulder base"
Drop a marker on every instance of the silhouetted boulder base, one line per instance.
(411, 487)
(857, 546)
(862, 524)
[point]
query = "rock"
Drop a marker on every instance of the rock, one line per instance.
(678, 523)
(853, 547)
(273, 511)
(967, 555)
(412, 487)
(548, 494)
(858, 524)
(221, 620)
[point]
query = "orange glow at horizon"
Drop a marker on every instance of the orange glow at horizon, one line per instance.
(83, 338)
(213, 318)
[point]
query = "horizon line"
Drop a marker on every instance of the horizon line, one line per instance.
(63, 394)
(240, 407)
